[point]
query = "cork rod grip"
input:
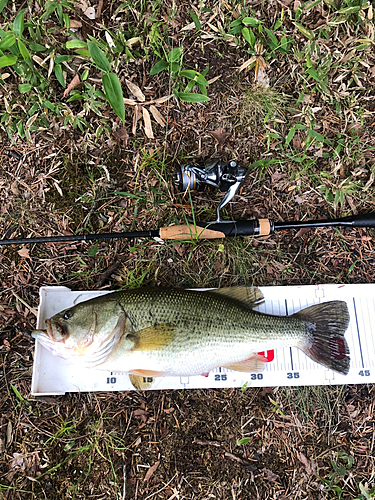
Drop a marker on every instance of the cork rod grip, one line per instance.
(186, 232)
(264, 227)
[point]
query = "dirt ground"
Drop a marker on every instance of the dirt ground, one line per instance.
(269, 443)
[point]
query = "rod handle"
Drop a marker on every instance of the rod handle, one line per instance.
(215, 230)
(365, 220)
(187, 232)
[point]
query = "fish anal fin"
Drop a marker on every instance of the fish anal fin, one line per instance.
(250, 296)
(153, 337)
(143, 379)
(140, 382)
(255, 363)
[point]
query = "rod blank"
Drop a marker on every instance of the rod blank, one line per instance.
(208, 230)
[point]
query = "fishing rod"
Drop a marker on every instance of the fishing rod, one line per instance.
(226, 176)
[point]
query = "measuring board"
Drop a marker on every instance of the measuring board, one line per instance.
(285, 367)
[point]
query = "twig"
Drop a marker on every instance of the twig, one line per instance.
(31, 309)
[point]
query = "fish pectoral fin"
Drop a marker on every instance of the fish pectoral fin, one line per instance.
(255, 363)
(250, 296)
(143, 379)
(153, 337)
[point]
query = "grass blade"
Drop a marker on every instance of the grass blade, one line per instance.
(99, 57)
(113, 92)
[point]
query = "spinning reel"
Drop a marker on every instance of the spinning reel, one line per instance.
(226, 176)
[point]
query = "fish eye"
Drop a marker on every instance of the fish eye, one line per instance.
(68, 314)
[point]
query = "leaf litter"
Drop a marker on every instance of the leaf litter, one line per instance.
(65, 181)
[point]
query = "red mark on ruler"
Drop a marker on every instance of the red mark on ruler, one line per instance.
(268, 355)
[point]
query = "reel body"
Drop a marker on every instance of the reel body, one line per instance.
(225, 176)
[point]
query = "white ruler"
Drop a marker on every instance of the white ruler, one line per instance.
(287, 367)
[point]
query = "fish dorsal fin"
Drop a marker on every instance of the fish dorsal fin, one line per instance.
(250, 296)
(254, 363)
(153, 337)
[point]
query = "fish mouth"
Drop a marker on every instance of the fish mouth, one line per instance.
(61, 328)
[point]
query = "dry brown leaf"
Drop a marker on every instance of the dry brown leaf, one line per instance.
(135, 119)
(220, 135)
(121, 135)
(214, 79)
(277, 176)
(38, 60)
(309, 464)
(147, 121)
(267, 390)
(169, 410)
(261, 77)
(302, 232)
(24, 252)
(270, 476)
(130, 102)
(14, 188)
(160, 100)
(151, 470)
(157, 115)
(72, 85)
(247, 63)
(74, 24)
(135, 90)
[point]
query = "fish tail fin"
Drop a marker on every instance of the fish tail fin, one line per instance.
(325, 343)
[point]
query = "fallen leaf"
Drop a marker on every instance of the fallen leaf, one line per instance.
(90, 13)
(74, 24)
(169, 410)
(302, 232)
(247, 63)
(309, 464)
(164, 430)
(214, 79)
(270, 476)
(261, 78)
(297, 143)
(14, 188)
(121, 135)
(151, 470)
(220, 135)
(130, 102)
(299, 200)
(135, 90)
(142, 415)
(157, 115)
(147, 121)
(72, 85)
(24, 252)
(9, 433)
(109, 39)
(277, 176)
(267, 390)
(19, 461)
(135, 118)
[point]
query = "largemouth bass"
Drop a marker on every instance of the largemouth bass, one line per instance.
(155, 332)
